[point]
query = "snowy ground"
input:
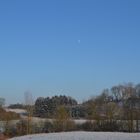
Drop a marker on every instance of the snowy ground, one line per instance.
(82, 136)
(18, 111)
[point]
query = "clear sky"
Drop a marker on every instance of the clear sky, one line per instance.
(72, 47)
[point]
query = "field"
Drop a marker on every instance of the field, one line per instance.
(82, 136)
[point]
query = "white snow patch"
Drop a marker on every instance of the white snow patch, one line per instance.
(18, 111)
(82, 136)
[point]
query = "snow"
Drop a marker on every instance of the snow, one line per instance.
(80, 121)
(82, 136)
(37, 120)
(18, 111)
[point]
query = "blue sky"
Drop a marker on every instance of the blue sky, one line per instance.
(72, 47)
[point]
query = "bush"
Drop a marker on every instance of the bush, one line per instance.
(109, 126)
(87, 126)
(5, 116)
(48, 127)
(11, 131)
(21, 127)
(101, 125)
(59, 126)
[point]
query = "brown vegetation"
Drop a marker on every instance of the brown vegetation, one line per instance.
(4, 116)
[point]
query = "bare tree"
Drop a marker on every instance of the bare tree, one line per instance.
(29, 107)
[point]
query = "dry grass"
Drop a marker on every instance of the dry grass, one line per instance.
(4, 116)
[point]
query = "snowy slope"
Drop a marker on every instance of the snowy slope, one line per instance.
(82, 136)
(18, 111)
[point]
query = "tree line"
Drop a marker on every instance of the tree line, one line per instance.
(46, 107)
(117, 108)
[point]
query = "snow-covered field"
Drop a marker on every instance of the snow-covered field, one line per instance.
(18, 111)
(82, 136)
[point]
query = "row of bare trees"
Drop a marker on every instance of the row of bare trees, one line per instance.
(120, 105)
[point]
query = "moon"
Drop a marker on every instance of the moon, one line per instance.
(79, 41)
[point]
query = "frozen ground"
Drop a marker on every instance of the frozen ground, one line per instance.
(82, 136)
(19, 111)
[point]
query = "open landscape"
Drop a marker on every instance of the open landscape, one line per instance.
(112, 114)
(69, 70)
